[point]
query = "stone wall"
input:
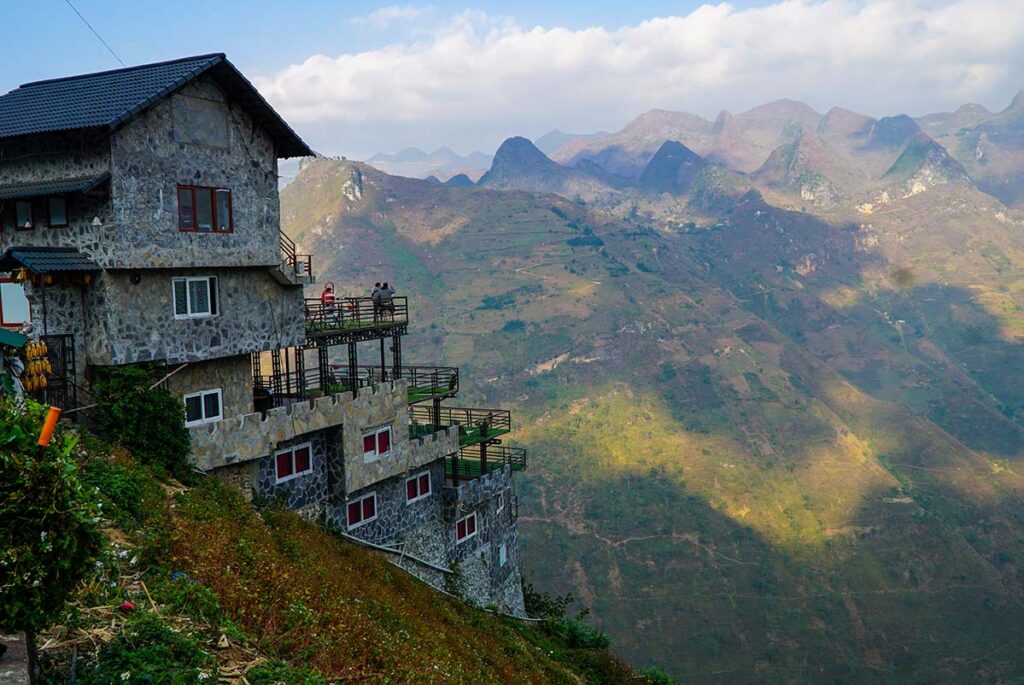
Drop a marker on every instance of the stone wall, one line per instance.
(484, 580)
(233, 375)
(134, 322)
(56, 309)
(195, 137)
(306, 494)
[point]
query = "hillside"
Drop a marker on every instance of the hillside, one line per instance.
(219, 590)
(520, 165)
(766, 448)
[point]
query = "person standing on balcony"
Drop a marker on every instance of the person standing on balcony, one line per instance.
(386, 305)
(327, 300)
(375, 296)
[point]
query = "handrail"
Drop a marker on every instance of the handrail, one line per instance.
(469, 465)
(351, 313)
(425, 381)
(492, 419)
(302, 264)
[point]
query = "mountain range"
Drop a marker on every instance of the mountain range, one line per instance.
(442, 163)
(767, 367)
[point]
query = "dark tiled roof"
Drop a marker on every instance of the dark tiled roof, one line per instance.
(58, 187)
(108, 99)
(43, 260)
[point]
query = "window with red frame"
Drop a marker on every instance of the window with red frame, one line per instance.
(417, 487)
(205, 210)
(15, 311)
(362, 510)
(465, 528)
(293, 462)
(377, 443)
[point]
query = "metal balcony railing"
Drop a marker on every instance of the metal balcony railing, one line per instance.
(425, 382)
(287, 387)
(475, 425)
(353, 313)
(301, 264)
(468, 463)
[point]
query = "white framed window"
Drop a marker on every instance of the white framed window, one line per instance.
(502, 555)
(194, 296)
(293, 462)
(465, 528)
(362, 510)
(203, 407)
(15, 311)
(500, 502)
(377, 443)
(417, 487)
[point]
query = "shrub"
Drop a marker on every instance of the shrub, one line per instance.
(149, 651)
(585, 241)
(126, 493)
(149, 423)
(544, 604)
(280, 673)
(656, 676)
(578, 635)
(48, 531)
(514, 326)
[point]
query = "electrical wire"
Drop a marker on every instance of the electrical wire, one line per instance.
(94, 32)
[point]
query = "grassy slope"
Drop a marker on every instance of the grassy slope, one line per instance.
(296, 604)
(741, 460)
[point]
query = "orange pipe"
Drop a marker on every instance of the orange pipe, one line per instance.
(48, 426)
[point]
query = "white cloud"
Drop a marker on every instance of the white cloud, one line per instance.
(480, 78)
(385, 17)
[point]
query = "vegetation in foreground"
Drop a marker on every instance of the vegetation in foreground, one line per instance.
(195, 585)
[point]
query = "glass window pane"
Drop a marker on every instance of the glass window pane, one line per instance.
(369, 443)
(13, 304)
(180, 297)
(58, 212)
(223, 210)
(213, 295)
(369, 507)
(301, 459)
(424, 483)
(193, 408)
(410, 489)
(384, 441)
(199, 296)
(211, 405)
(204, 209)
(354, 513)
(460, 529)
(284, 464)
(471, 525)
(23, 212)
(185, 209)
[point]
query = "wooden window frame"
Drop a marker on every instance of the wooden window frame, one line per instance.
(213, 294)
(376, 454)
(213, 190)
(362, 521)
(201, 394)
(419, 493)
(49, 212)
(295, 472)
(465, 519)
(12, 325)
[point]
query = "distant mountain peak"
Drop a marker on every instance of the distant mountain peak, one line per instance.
(924, 164)
(841, 121)
(673, 169)
(722, 121)
(518, 151)
(893, 132)
(1017, 104)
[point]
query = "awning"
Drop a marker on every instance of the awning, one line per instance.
(42, 260)
(63, 186)
(12, 339)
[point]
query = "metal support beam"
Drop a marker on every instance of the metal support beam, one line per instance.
(300, 371)
(383, 368)
(396, 356)
(323, 360)
(353, 366)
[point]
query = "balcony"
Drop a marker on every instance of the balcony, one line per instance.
(476, 426)
(425, 382)
(355, 319)
(295, 269)
(472, 462)
(283, 388)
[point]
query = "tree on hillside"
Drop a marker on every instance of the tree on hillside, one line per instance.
(48, 532)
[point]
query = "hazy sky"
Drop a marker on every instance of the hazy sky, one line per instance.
(354, 79)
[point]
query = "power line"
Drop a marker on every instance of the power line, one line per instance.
(94, 32)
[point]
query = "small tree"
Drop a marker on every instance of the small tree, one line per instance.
(149, 423)
(48, 532)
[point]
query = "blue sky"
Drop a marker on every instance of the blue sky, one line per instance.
(354, 79)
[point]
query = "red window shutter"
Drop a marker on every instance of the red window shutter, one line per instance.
(369, 507)
(471, 525)
(460, 529)
(384, 441)
(302, 459)
(410, 489)
(369, 443)
(354, 513)
(425, 484)
(284, 464)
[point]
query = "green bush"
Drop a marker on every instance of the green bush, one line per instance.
(578, 635)
(514, 326)
(148, 423)
(280, 673)
(149, 652)
(48, 520)
(544, 604)
(125, 492)
(656, 676)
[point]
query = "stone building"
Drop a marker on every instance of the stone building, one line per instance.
(139, 222)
